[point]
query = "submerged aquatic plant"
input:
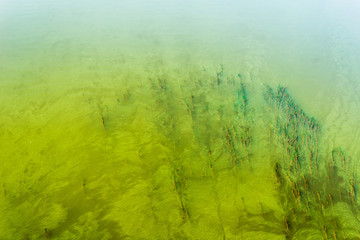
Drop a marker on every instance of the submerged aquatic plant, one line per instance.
(197, 156)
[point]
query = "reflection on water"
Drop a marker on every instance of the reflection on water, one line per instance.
(169, 120)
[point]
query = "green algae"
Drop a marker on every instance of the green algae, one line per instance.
(199, 156)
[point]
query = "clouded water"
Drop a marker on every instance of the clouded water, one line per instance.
(154, 119)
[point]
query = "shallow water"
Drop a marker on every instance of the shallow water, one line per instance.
(179, 120)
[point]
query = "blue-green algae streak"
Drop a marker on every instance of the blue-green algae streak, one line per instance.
(179, 120)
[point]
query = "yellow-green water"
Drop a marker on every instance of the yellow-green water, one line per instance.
(179, 120)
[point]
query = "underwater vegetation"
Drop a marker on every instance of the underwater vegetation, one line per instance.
(202, 155)
(317, 192)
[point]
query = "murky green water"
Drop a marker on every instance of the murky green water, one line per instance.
(179, 120)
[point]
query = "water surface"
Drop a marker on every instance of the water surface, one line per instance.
(179, 119)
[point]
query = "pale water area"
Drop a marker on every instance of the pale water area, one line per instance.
(179, 119)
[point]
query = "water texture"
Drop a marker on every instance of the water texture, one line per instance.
(179, 120)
